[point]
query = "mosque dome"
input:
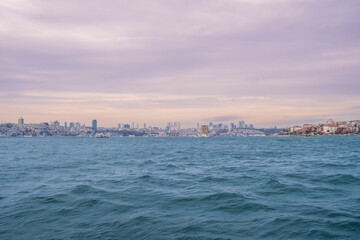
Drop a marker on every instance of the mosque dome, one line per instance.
(330, 121)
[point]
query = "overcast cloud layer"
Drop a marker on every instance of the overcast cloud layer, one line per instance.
(269, 62)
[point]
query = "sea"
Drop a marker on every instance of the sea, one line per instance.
(180, 188)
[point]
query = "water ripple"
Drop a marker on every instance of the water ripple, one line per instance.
(180, 188)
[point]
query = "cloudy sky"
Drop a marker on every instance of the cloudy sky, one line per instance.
(268, 62)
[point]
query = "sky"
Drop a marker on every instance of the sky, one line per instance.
(268, 62)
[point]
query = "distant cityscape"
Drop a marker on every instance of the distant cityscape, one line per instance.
(171, 129)
(328, 128)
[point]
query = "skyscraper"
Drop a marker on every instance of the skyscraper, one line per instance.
(65, 125)
(94, 125)
(241, 124)
(55, 124)
(20, 121)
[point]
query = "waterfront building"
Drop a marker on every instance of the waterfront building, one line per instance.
(204, 131)
(329, 128)
(295, 129)
(94, 125)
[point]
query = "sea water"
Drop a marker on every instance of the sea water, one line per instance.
(180, 188)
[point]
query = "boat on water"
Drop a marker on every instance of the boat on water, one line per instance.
(101, 135)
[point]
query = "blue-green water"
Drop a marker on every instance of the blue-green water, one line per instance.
(180, 188)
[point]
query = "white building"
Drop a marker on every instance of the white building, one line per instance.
(328, 128)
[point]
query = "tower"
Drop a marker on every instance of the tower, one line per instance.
(94, 125)
(20, 121)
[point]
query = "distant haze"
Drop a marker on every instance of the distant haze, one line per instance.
(268, 62)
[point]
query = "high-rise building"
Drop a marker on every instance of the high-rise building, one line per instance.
(232, 125)
(145, 125)
(65, 125)
(55, 124)
(78, 125)
(251, 126)
(241, 124)
(172, 126)
(94, 125)
(72, 125)
(20, 121)
(198, 125)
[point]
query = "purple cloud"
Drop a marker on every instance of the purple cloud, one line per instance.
(199, 51)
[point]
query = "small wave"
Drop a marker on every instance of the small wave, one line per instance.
(55, 199)
(213, 179)
(242, 206)
(87, 203)
(293, 227)
(340, 179)
(144, 177)
(222, 196)
(273, 186)
(88, 190)
(147, 162)
(80, 189)
(172, 166)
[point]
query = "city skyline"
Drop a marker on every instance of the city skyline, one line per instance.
(173, 129)
(269, 62)
(133, 125)
(239, 123)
